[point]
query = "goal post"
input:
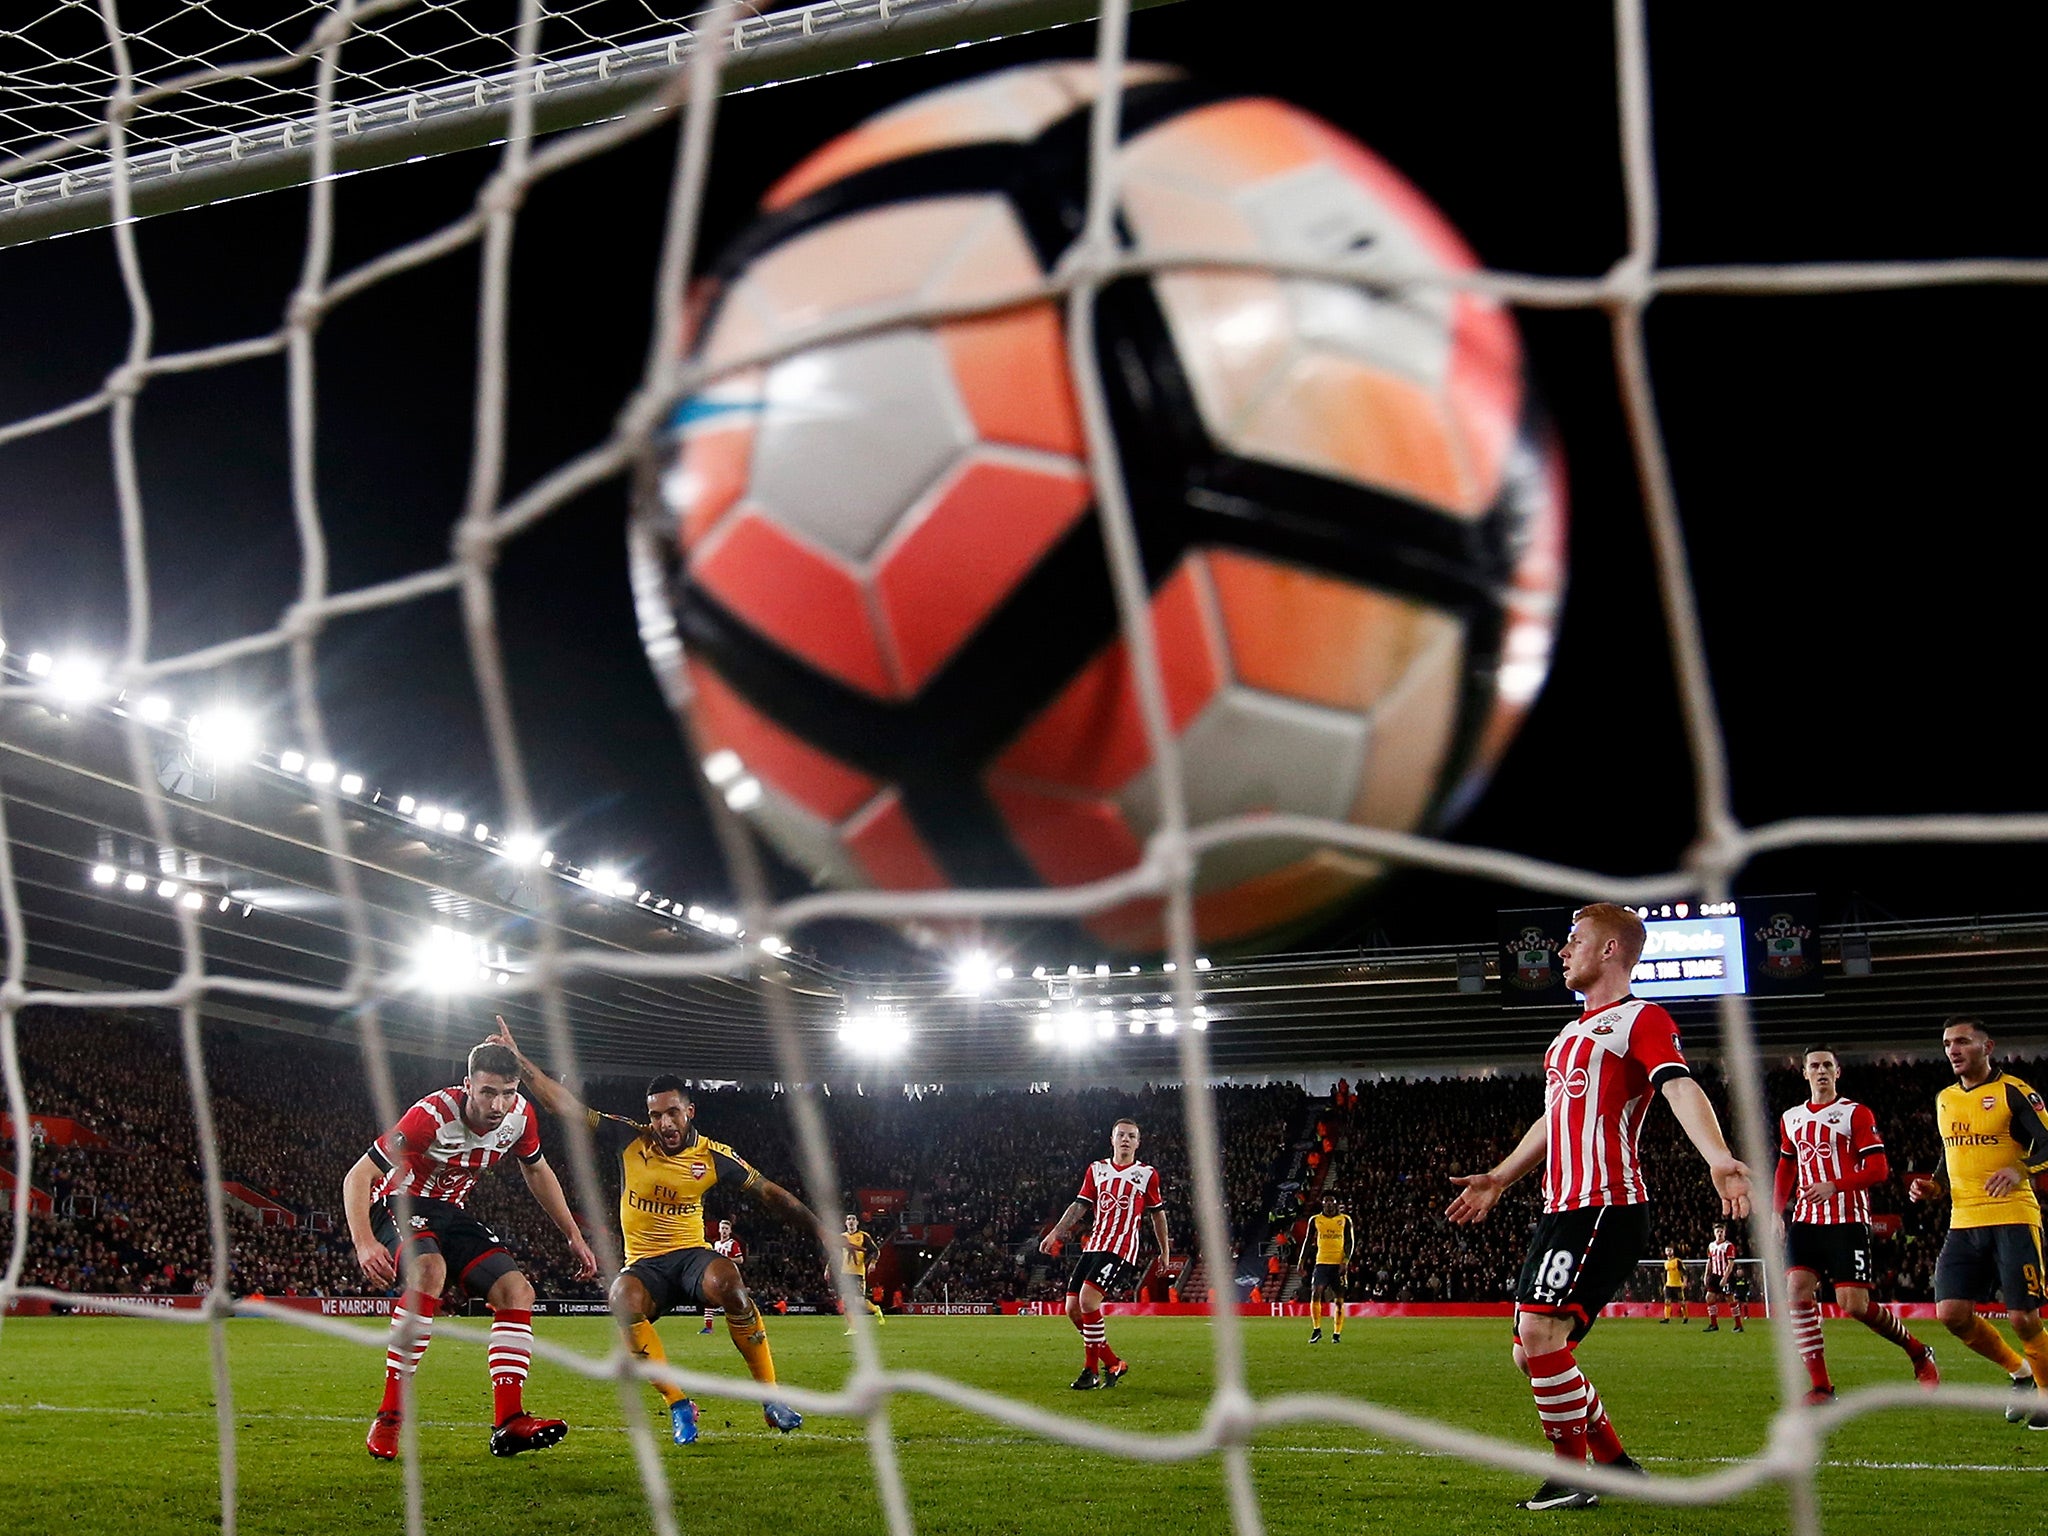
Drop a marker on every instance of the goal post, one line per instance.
(57, 188)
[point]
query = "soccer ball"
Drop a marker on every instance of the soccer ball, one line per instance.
(881, 557)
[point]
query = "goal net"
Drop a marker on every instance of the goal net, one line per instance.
(105, 120)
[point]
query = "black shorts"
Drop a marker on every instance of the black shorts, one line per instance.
(1104, 1271)
(476, 1256)
(1980, 1263)
(1330, 1276)
(673, 1279)
(1720, 1285)
(1578, 1260)
(1674, 1293)
(1836, 1251)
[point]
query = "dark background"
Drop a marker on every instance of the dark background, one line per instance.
(1859, 475)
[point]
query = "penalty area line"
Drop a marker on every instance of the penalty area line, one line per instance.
(1853, 1464)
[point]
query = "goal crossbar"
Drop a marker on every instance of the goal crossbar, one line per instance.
(468, 113)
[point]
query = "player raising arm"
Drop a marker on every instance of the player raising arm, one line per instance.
(415, 1181)
(1599, 1074)
(1116, 1190)
(666, 1167)
(1994, 1137)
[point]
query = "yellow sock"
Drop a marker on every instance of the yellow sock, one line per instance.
(2037, 1357)
(750, 1338)
(1337, 1317)
(645, 1344)
(1990, 1343)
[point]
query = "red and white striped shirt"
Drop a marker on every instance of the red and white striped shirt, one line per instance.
(1721, 1259)
(730, 1248)
(1598, 1076)
(443, 1157)
(1829, 1140)
(1120, 1197)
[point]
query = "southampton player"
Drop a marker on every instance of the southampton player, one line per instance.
(1721, 1256)
(666, 1168)
(1599, 1074)
(1118, 1191)
(1994, 1135)
(1830, 1154)
(1674, 1288)
(856, 1254)
(415, 1180)
(727, 1247)
(1335, 1243)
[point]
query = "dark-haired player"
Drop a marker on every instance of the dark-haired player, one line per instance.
(1117, 1191)
(404, 1201)
(1600, 1073)
(856, 1253)
(666, 1167)
(1994, 1137)
(1830, 1155)
(1335, 1241)
(1720, 1284)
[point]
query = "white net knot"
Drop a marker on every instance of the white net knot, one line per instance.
(1169, 857)
(475, 544)
(301, 621)
(13, 993)
(867, 1392)
(502, 194)
(126, 381)
(305, 310)
(1233, 1416)
(1630, 279)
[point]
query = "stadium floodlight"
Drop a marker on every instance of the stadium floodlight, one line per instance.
(1168, 1025)
(445, 960)
(292, 762)
(38, 664)
(1038, 973)
(167, 889)
(153, 709)
(522, 848)
(136, 882)
(428, 816)
(880, 1032)
(77, 679)
(1171, 967)
(192, 899)
(603, 878)
(1105, 1026)
(744, 795)
(321, 773)
(1101, 969)
(1072, 1027)
(226, 902)
(774, 946)
(1006, 972)
(696, 914)
(1137, 1026)
(973, 973)
(628, 887)
(1202, 963)
(406, 804)
(351, 783)
(104, 874)
(453, 821)
(723, 766)
(1073, 970)
(483, 833)
(1042, 1032)
(729, 926)
(224, 736)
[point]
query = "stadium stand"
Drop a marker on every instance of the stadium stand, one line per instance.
(973, 1177)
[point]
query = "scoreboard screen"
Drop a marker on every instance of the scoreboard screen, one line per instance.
(1697, 955)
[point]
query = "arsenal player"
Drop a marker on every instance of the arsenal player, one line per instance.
(1118, 1190)
(414, 1181)
(1830, 1155)
(1599, 1075)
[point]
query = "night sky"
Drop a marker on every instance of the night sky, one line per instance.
(1859, 475)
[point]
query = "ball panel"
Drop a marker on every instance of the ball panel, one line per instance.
(783, 762)
(808, 842)
(1249, 753)
(709, 475)
(797, 597)
(1225, 144)
(993, 261)
(1330, 415)
(1091, 736)
(1011, 371)
(888, 847)
(1485, 388)
(865, 260)
(960, 557)
(1067, 840)
(1314, 637)
(852, 435)
(1412, 732)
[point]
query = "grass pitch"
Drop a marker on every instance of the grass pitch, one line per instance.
(109, 1427)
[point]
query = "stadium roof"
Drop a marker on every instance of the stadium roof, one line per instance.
(247, 843)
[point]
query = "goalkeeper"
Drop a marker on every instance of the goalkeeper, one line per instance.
(666, 1168)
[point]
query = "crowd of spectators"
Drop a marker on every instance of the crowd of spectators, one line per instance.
(973, 1177)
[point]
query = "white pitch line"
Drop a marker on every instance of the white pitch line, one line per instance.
(1858, 1465)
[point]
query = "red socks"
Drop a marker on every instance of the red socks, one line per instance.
(400, 1364)
(511, 1351)
(1806, 1334)
(1094, 1335)
(1562, 1399)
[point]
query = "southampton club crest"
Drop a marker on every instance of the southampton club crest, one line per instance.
(1787, 954)
(1532, 954)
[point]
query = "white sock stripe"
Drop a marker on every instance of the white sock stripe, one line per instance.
(1572, 1374)
(1560, 1400)
(1562, 1418)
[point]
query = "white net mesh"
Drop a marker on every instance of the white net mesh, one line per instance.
(206, 72)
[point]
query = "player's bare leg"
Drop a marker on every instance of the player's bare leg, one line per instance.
(1856, 1302)
(511, 1352)
(412, 1328)
(635, 1309)
(723, 1288)
(1960, 1318)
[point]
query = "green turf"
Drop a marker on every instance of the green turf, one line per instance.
(109, 1428)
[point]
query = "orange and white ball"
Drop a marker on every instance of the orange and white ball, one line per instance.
(882, 558)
